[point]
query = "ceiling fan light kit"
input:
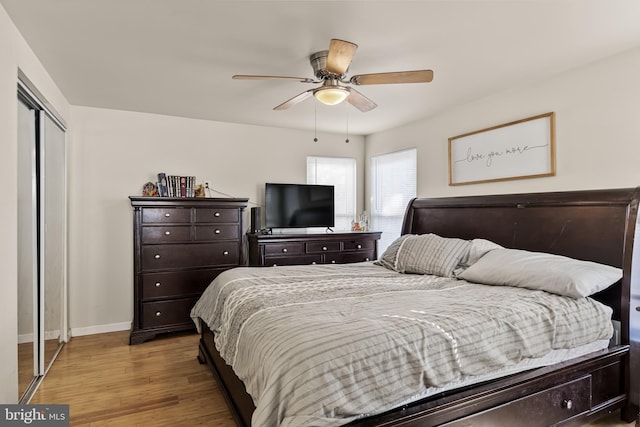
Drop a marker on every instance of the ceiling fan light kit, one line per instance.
(330, 68)
(331, 95)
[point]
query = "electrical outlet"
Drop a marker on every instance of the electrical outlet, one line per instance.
(207, 185)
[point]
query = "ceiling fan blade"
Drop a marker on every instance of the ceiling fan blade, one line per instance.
(252, 77)
(360, 101)
(340, 55)
(420, 76)
(295, 100)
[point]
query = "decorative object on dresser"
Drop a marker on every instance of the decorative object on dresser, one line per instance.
(321, 248)
(149, 189)
(180, 246)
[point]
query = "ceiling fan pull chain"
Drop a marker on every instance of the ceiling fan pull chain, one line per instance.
(315, 124)
(346, 108)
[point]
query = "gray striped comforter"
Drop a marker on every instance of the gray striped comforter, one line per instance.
(323, 345)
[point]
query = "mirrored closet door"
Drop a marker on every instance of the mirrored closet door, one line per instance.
(41, 240)
(27, 247)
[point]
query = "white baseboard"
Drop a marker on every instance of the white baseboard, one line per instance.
(25, 338)
(48, 335)
(100, 329)
(77, 332)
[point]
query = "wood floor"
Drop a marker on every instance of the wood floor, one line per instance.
(106, 382)
(159, 383)
(25, 361)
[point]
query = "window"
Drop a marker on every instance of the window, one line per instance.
(341, 173)
(393, 185)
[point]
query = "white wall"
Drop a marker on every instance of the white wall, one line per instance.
(14, 54)
(597, 131)
(113, 153)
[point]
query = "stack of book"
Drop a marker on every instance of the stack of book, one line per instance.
(176, 186)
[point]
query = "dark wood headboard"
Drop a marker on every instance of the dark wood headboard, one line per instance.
(593, 225)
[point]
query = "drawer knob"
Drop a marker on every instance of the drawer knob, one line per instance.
(367, 259)
(359, 246)
(225, 253)
(217, 231)
(157, 284)
(157, 256)
(284, 250)
(638, 308)
(274, 265)
(167, 233)
(167, 215)
(567, 404)
(324, 248)
(313, 263)
(216, 214)
(158, 313)
(333, 261)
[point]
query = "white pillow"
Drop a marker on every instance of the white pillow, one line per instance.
(541, 271)
(478, 248)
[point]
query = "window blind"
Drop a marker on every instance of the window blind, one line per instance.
(393, 185)
(341, 173)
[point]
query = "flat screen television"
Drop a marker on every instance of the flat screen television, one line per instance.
(299, 205)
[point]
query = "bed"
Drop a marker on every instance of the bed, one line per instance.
(595, 226)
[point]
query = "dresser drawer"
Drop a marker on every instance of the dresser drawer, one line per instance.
(315, 247)
(217, 215)
(295, 248)
(346, 258)
(356, 245)
(165, 313)
(547, 407)
(166, 234)
(177, 283)
(165, 215)
(217, 232)
(157, 257)
(293, 260)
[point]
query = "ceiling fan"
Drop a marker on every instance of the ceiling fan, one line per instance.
(330, 69)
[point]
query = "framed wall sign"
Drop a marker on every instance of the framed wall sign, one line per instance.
(516, 150)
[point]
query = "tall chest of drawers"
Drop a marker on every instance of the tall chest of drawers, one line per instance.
(180, 245)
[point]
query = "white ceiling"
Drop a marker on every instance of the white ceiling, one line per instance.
(176, 57)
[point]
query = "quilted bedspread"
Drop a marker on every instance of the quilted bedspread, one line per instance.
(322, 345)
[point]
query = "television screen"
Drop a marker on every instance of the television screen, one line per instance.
(299, 205)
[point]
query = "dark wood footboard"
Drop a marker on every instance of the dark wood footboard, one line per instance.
(571, 393)
(238, 400)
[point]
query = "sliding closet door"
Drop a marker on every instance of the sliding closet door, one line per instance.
(53, 232)
(27, 248)
(42, 320)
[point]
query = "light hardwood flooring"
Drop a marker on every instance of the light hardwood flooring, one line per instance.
(25, 361)
(25, 366)
(106, 382)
